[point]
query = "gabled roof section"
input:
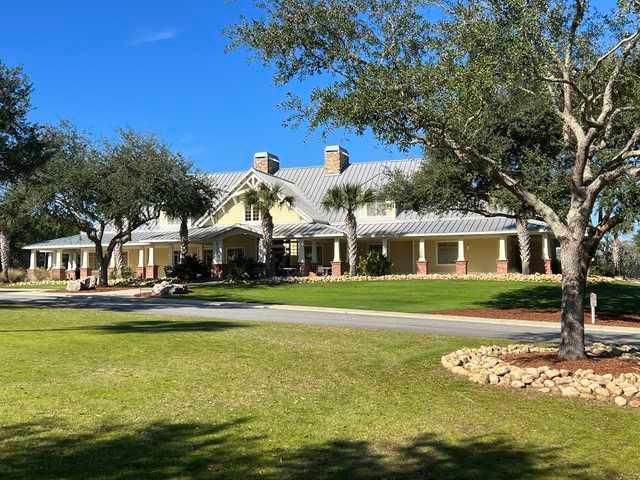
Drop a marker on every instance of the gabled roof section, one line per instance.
(300, 203)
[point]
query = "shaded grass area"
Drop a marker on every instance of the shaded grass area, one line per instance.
(424, 296)
(89, 394)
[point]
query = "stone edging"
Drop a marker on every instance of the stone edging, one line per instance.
(484, 365)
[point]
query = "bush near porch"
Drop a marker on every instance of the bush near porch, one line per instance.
(127, 397)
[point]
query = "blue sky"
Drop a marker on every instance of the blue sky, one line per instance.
(160, 67)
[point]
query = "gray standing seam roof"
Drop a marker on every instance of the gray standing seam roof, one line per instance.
(308, 186)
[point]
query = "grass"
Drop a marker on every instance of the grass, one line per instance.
(87, 394)
(424, 296)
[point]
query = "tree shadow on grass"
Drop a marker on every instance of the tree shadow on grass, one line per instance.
(613, 299)
(143, 326)
(43, 451)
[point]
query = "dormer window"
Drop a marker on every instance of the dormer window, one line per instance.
(380, 208)
(251, 213)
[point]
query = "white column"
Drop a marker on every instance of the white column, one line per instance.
(151, 260)
(58, 263)
(545, 247)
(74, 261)
(385, 247)
(301, 251)
(218, 252)
(422, 250)
(85, 259)
(49, 260)
(33, 260)
(314, 252)
(336, 250)
(461, 250)
(502, 249)
(141, 258)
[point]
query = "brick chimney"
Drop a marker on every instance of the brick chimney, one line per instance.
(336, 159)
(266, 162)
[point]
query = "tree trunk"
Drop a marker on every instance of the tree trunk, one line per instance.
(574, 282)
(267, 242)
(352, 241)
(524, 242)
(616, 256)
(184, 238)
(5, 255)
(118, 259)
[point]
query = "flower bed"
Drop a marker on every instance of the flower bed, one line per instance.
(504, 277)
(36, 284)
(491, 365)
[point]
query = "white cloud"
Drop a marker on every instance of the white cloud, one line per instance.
(154, 37)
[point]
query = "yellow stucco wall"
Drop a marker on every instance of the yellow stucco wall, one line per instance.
(249, 243)
(401, 256)
(233, 213)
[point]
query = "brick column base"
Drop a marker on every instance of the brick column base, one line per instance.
(58, 274)
(502, 266)
(140, 272)
(337, 269)
(422, 267)
(85, 272)
(151, 271)
(547, 267)
(71, 275)
(461, 267)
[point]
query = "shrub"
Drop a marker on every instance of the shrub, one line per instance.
(191, 268)
(244, 268)
(374, 264)
(41, 274)
(16, 275)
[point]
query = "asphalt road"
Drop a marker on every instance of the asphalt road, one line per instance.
(432, 324)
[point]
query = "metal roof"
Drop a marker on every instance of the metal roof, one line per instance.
(308, 186)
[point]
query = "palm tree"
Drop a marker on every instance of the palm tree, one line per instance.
(264, 198)
(349, 197)
(192, 196)
(616, 246)
(524, 242)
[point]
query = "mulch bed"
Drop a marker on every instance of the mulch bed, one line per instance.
(545, 315)
(599, 365)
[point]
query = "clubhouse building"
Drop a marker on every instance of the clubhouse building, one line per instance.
(307, 239)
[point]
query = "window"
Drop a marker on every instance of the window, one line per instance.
(447, 253)
(251, 213)
(234, 253)
(379, 208)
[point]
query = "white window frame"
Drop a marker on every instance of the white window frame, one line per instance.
(438, 252)
(242, 249)
(364, 213)
(254, 213)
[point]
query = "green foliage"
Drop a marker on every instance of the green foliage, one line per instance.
(23, 145)
(14, 275)
(41, 274)
(190, 195)
(374, 264)
(243, 269)
(266, 197)
(122, 184)
(348, 197)
(190, 269)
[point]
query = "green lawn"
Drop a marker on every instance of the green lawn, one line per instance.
(96, 395)
(424, 296)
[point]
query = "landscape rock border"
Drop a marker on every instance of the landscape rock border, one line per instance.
(486, 365)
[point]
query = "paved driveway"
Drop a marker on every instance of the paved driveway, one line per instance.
(434, 324)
